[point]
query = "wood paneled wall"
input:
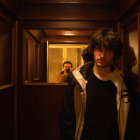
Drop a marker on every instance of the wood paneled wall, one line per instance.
(126, 5)
(130, 24)
(39, 110)
(68, 12)
(34, 59)
(7, 77)
(7, 113)
(130, 32)
(5, 52)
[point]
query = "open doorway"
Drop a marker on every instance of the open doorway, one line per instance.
(58, 54)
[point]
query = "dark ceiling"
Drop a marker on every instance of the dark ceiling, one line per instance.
(67, 1)
(66, 19)
(63, 10)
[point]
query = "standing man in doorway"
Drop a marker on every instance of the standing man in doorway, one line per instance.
(96, 102)
(64, 74)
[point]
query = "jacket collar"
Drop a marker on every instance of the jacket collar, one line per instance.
(79, 76)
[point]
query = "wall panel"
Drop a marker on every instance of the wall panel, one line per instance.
(7, 76)
(7, 113)
(39, 108)
(5, 52)
(130, 27)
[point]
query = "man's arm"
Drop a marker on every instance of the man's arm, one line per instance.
(62, 78)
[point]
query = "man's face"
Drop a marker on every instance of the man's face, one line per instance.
(103, 57)
(67, 66)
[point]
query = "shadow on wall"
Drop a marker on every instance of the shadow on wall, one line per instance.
(131, 75)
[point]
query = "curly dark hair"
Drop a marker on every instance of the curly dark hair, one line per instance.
(67, 62)
(87, 55)
(109, 39)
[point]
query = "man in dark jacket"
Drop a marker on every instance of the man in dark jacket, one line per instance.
(96, 104)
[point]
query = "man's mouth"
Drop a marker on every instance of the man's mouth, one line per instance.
(100, 60)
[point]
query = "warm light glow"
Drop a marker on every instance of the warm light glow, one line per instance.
(69, 33)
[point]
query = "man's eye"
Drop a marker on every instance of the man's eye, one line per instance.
(99, 49)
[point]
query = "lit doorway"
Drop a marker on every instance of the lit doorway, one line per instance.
(58, 53)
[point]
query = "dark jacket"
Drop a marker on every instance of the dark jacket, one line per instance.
(74, 106)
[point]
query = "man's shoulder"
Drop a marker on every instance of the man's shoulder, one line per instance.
(84, 70)
(79, 75)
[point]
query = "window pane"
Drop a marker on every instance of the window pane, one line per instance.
(55, 63)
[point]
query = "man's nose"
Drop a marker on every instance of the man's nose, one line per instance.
(102, 53)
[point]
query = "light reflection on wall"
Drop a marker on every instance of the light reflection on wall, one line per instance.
(133, 42)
